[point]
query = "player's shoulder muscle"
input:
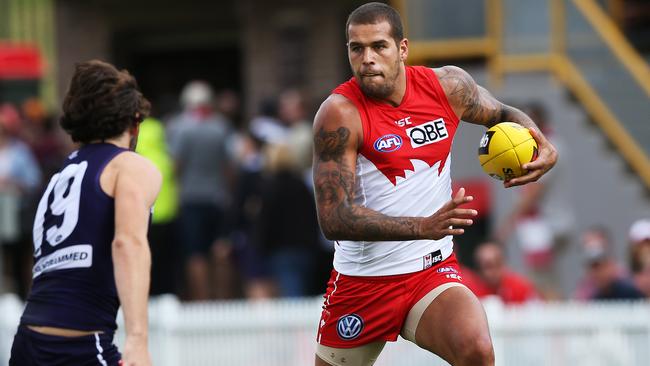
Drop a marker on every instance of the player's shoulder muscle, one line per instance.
(134, 169)
(338, 113)
(449, 75)
(459, 87)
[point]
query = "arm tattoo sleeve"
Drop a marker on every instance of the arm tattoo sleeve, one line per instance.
(478, 104)
(334, 187)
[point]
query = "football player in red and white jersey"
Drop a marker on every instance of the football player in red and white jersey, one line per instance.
(383, 192)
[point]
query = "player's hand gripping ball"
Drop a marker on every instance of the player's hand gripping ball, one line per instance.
(504, 148)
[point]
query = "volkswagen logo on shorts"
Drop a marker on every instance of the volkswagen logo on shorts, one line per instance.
(388, 143)
(349, 326)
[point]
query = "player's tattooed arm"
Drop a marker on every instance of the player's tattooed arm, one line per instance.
(334, 187)
(473, 103)
(335, 153)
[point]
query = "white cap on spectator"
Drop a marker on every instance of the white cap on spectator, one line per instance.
(640, 231)
(196, 94)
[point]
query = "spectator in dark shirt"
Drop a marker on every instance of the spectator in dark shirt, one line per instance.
(609, 285)
(639, 238)
(287, 228)
(605, 279)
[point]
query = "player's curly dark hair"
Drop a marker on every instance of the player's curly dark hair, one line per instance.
(102, 102)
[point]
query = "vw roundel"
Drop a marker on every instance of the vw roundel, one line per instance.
(349, 326)
(388, 143)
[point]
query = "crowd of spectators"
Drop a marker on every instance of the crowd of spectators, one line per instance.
(236, 216)
(239, 217)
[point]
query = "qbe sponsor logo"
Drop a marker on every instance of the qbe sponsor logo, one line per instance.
(427, 133)
(388, 143)
(349, 326)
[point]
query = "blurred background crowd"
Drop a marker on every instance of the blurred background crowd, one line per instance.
(233, 107)
(236, 215)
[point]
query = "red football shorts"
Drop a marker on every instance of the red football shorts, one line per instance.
(361, 310)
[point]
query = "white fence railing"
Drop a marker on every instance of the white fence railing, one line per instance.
(282, 333)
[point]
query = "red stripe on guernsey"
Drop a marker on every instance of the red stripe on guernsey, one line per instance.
(327, 301)
(424, 121)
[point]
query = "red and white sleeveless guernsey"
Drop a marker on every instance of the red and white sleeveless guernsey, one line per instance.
(403, 169)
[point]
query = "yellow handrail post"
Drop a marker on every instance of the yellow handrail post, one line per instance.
(494, 23)
(558, 27)
(48, 45)
(558, 35)
(427, 48)
(402, 9)
(616, 41)
(603, 116)
(616, 11)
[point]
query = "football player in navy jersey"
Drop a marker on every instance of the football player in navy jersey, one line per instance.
(91, 253)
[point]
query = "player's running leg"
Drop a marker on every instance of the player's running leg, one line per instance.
(453, 326)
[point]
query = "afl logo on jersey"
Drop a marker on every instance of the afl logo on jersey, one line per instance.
(427, 133)
(349, 326)
(388, 143)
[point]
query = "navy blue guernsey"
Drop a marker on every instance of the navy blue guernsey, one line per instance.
(74, 286)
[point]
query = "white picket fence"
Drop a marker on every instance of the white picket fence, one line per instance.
(282, 333)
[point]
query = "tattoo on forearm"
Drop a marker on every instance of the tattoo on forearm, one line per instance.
(513, 114)
(334, 188)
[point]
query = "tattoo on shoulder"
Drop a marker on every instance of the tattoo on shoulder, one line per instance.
(477, 103)
(463, 88)
(330, 145)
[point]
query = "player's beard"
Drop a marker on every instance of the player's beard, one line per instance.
(383, 90)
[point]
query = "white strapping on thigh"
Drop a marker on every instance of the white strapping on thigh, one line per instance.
(415, 314)
(365, 355)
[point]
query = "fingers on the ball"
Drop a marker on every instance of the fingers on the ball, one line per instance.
(524, 179)
(535, 164)
(532, 176)
(534, 133)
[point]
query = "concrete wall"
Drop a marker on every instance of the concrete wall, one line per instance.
(82, 33)
(285, 43)
(319, 60)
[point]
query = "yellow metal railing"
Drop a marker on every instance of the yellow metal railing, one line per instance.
(424, 50)
(557, 62)
(616, 42)
(571, 76)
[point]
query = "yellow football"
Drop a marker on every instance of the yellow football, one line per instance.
(504, 148)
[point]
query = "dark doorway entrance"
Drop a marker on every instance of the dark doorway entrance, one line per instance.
(163, 73)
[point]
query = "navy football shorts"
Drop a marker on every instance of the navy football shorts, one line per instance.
(35, 349)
